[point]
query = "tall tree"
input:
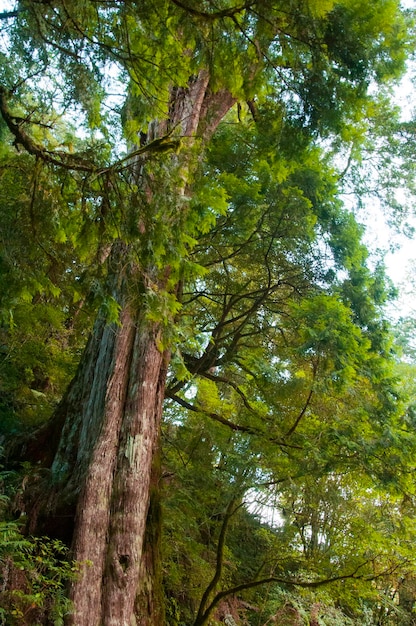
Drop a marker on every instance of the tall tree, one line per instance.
(185, 66)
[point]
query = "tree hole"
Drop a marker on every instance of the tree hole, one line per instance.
(124, 561)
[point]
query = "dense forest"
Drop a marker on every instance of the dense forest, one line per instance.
(205, 416)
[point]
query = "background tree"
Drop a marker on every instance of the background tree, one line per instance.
(323, 410)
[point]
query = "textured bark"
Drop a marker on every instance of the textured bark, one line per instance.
(112, 506)
(149, 604)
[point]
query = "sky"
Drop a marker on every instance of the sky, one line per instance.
(400, 250)
(400, 263)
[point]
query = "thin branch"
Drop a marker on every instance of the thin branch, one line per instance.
(213, 416)
(226, 381)
(348, 165)
(213, 16)
(307, 403)
(299, 417)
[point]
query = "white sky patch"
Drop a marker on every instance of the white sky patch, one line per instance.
(264, 506)
(400, 250)
(399, 247)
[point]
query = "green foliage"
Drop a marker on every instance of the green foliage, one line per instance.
(34, 575)
(34, 571)
(236, 246)
(46, 296)
(292, 383)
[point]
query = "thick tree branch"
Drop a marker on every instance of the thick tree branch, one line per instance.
(75, 162)
(222, 420)
(200, 620)
(231, 509)
(54, 157)
(6, 15)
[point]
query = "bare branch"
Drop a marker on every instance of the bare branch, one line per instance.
(6, 15)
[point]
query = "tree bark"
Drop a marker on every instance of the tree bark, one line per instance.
(113, 503)
(149, 605)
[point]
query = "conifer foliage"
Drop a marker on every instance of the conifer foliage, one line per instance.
(188, 321)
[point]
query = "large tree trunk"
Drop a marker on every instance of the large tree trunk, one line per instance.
(105, 466)
(113, 504)
(109, 421)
